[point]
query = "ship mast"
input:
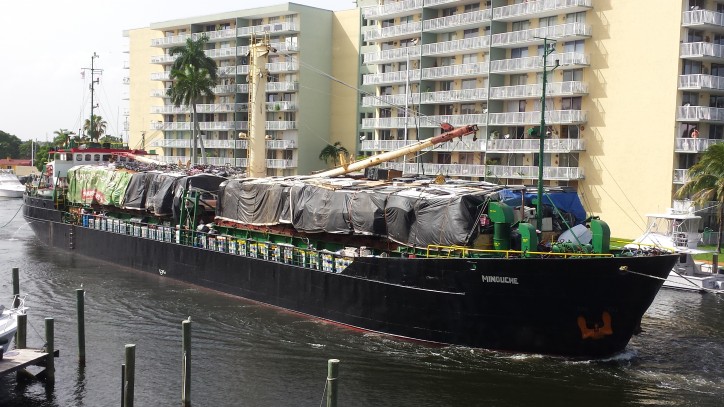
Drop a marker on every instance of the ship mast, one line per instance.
(258, 76)
(542, 132)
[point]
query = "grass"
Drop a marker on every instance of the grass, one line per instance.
(710, 249)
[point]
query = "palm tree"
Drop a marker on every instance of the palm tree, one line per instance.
(95, 127)
(62, 137)
(706, 183)
(194, 74)
(333, 152)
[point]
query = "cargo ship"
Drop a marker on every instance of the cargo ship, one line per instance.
(435, 260)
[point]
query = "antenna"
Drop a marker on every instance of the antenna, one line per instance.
(93, 72)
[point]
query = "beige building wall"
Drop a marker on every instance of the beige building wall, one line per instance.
(141, 84)
(346, 68)
(629, 158)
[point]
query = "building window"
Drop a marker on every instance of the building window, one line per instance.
(579, 17)
(469, 83)
(444, 158)
(573, 75)
(450, 11)
(445, 110)
(519, 52)
(570, 132)
(716, 131)
(385, 113)
(472, 7)
(386, 135)
(520, 25)
(548, 21)
(470, 58)
(573, 103)
(689, 99)
(695, 36)
(573, 46)
(467, 108)
(471, 33)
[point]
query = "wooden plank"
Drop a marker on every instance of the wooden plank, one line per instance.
(17, 359)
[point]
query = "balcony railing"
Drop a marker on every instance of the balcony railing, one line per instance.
(281, 47)
(392, 9)
(699, 113)
(472, 70)
(573, 88)
(457, 21)
(702, 50)
(464, 145)
(566, 60)
(224, 89)
(701, 82)
(160, 76)
(394, 31)
(220, 161)
(424, 121)
(698, 18)
(274, 28)
(533, 118)
(169, 126)
(681, 176)
(695, 145)
(541, 8)
(562, 145)
(391, 77)
(392, 55)
(490, 171)
(227, 144)
(535, 35)
(281, 87)
(213, 36)
(390, 100)
(451, 96)
(280, 163)
(453, 47)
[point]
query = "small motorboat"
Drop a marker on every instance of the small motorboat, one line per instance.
(9, 322)
(10, 185)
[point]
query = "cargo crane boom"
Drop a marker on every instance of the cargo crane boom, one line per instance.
(449, 134)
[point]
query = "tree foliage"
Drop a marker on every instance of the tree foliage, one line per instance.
(706, 183)
(95, 127)
(9, 145)
(332, 151)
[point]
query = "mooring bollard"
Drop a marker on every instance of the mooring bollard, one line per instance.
(186, 364)
(332, 372)
(16, 287)
(715, 263)
(80, 305)
(50, 348)
(21, 341)
(123, 385)
(130, 375)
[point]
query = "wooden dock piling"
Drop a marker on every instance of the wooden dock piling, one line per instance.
(50, 350)
(332, 373)
(21, 338)
(186, 364)
(130, 376)
(16, 287)
(80, 305)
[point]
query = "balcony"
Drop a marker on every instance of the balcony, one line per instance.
(275, 67)
(200, 108)
(494, 171)
(392, 55)
(282, 164)
(450, 48)
(227, 144)
(460, 145)
(220, 161)
(694, 145)
(702, 51)
(160, 76)
(392, 9)
(703, 20)
(391, 77)
(423, 121)
(286, 47)
(562, 145)
(390, 100)
(224, 89)
(281, 87)
(213, 36)
(534, 36)
(271, 29)
(226, 71)
(681, 176)
(712, 84)
(533, 118)
(472, 70)
(568, 60)
(458, 21)
(209, 126)
(539, 9)
(573, 88)
(699, 114)
(453, 96)
(393, 32)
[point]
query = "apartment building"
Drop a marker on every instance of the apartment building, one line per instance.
(299, 96)
(617, 127)
(627, 84)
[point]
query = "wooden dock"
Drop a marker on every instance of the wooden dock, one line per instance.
(17, 359)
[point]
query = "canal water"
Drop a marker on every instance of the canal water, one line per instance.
(247, 354)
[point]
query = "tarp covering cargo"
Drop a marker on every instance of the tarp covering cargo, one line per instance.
(159, 197)
(565, 201)
(95, 185)
(254, 202)
(137, 189)
(412, 215)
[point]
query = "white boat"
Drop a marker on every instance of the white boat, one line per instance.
(679, 231)
(10, 186)
(9, 322)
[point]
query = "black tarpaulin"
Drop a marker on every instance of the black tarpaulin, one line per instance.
(252, 202)
(159, 198)
(316, 209)
(202, 182)
(135, 197)
(367, 212)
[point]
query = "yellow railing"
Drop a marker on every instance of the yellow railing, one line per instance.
(463, 251)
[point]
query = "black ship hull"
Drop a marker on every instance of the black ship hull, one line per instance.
(582, 307)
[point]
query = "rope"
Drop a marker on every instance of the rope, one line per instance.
(324, 392)
(11, 219)
(708, 290)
